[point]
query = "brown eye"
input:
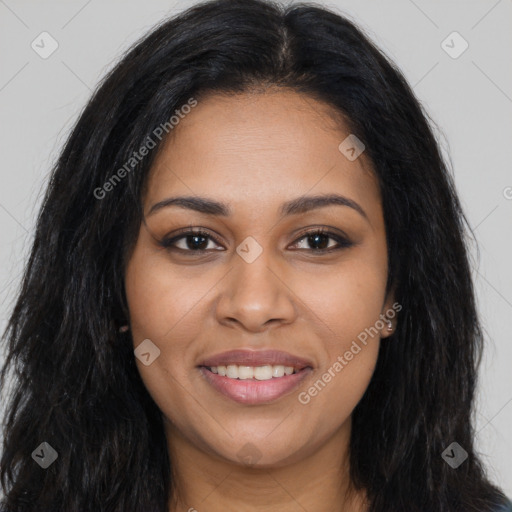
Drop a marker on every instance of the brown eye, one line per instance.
(318, 241)
(194, 241)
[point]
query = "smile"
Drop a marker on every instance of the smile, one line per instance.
(252, 385)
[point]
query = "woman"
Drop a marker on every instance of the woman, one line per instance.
(249, 287)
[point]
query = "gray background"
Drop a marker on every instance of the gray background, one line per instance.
(469, 97)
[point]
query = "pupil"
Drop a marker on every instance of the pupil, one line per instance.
(319, 241)
(195, 238)
(313, 239)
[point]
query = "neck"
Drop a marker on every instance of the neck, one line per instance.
(318, 482)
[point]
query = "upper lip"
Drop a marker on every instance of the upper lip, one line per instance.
(244, 357)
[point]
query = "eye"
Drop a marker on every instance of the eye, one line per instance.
(194, 240)
(198, 240)
(318, 238)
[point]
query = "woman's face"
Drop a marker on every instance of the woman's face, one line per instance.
(257, 282)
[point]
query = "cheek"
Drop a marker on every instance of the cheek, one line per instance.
(162, 299)
(331, 399)
(351, 341)
(346, 299)
(167, 307)
(346, 304)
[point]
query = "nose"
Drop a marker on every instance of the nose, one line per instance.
(256, 295)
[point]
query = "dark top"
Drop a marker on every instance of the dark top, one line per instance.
(505, 508)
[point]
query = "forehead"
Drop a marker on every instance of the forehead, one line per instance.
(263, 147)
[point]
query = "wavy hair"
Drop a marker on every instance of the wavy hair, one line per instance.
(75, 382)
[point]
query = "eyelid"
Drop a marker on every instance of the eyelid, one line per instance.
(167, 242)
(341, 239)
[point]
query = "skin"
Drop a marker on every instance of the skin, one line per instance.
(254, 152)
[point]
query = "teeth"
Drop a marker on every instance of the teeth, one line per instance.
(277, 371)
(266, 372)
(246, 372)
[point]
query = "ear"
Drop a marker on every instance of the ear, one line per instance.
(389, 314)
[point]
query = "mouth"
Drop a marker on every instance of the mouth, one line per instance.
(251, 377)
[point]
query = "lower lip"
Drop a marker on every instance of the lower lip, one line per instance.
(251, 391)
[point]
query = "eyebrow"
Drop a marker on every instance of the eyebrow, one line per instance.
(296, 206)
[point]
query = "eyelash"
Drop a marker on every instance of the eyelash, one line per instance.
(167, 243)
